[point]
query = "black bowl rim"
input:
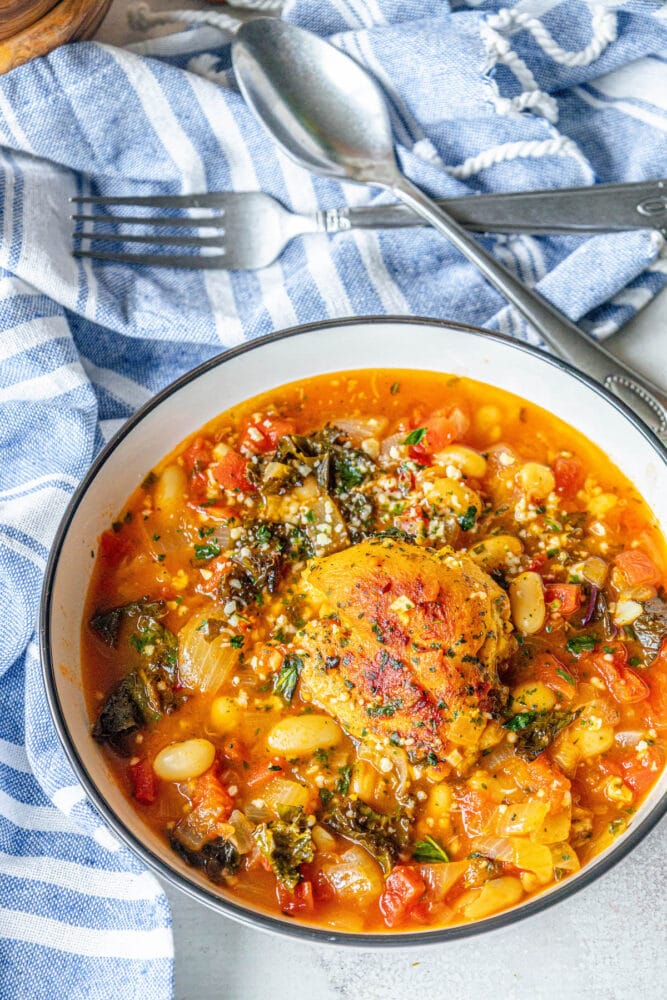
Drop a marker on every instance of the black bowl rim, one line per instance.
(242, 914)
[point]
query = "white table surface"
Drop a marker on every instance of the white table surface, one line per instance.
(606, 943)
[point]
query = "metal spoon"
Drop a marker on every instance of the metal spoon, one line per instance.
(330, 116)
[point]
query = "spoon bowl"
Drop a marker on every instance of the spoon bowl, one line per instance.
(285, 76)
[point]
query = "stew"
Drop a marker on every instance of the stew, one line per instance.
(382, 650)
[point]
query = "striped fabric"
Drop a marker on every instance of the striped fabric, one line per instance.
(483, 98)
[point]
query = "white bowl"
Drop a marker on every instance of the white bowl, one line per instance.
(229, 379)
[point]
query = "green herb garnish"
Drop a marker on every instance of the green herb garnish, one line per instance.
(209, 550)
(579, 644)
(288, 677)
(429, 851)
(467, 520)
(415, 436)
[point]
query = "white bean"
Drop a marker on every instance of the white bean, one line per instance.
(536, 480)
(469, 461)
(527, 602)
(225, 714)
(300, 735)
(182, 761)
(532, 696)
(494, 552)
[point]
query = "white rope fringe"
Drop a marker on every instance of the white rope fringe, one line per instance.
(265, 5)
(603, 25)
(560, 145)
(204, 65)
(140, 17)
(499, 50)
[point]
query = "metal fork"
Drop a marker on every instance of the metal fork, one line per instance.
(252, 228)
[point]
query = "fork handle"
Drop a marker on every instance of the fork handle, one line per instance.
(604, 208)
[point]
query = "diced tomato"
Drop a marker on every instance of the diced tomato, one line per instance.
(657, 682)
(555, 675)
(640, 770)
(538, 775)
(113, 547)
(265, 771)
(441, 430)
(196, 459)
(417, 455)
(322, 888)
(297, 900)
(219, 568)
(624, 684)
(537, 562)
(569, 476)
(197, 455)
(198, 489)
(234, 751)
(476, 808)
(404, 888)
(567, 596)
(637, 568)
(144, 782)
(421, 912)
(231, 472)
(262, 436)
(213, 803)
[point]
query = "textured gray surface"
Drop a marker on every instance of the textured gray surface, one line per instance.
(606, 943)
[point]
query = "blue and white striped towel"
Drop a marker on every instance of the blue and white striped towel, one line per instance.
(548, 93)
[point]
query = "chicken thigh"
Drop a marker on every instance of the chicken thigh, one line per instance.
(406, 647)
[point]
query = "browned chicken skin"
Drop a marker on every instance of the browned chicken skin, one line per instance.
(406, 646)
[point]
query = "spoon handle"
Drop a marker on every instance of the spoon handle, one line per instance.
(648, 401)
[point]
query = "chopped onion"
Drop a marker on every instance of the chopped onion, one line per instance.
(276, 470)
(327, 531)
(242, 831)
(565, 857)
(594, 569)
(257, 811)
(518, 851)
(393, 441)
(283, 792)
(361, 430)
(499, 754)
(520, 818)
(355, 878)
(204, 665)
(629, 737)
(440, 878)
(592, 602)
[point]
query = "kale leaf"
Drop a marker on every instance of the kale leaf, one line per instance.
(147, 692)
(286, 844)
(537, 730)
(218, 858)
(651, 626)
(382, 836)
(107, 624)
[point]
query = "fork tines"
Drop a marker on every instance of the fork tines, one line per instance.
(164, 222)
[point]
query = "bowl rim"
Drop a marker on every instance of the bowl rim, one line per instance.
(227, 907)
